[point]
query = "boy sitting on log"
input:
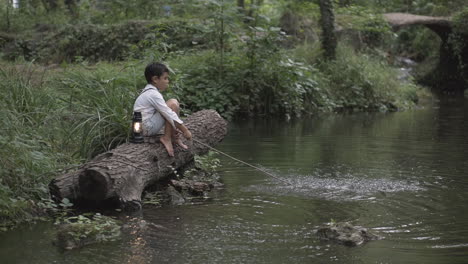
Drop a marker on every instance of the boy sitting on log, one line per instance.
(156, 112)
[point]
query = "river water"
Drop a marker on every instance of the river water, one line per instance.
(402, 175)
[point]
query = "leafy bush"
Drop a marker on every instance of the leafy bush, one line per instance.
(417, 43)
(371, 26)
(30, 15)
(277, 85)
(81, 42)
(253, 78)
(365, 83)
(205, 168)
(458, 38)
(174, 35)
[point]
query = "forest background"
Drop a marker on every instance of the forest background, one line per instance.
(70, 71)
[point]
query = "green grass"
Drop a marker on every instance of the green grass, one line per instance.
(52, 120)
(98, 104)
(26, 157)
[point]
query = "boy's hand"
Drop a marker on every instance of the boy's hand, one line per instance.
(188, 134)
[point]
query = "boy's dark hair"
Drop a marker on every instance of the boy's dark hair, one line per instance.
(155, 69)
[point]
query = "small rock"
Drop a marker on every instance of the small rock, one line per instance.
(175, 198)
(196, 188)
(346, 234)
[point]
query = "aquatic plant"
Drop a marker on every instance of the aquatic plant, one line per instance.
(82, 230)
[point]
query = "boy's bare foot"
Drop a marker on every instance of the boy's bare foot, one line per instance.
(168, 145)
(179, 142)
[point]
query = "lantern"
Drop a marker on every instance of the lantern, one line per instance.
(137, 128)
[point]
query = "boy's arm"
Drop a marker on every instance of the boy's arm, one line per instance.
(187, 134)
(157, 101)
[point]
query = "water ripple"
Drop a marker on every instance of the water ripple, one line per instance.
(336, 187)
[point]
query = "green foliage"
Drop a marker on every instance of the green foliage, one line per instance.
(121, 10)
(369, 23)
(366, 83)
(254, 77)
(153, 198)
(30, 15)
(420, 7)
(77, 231)
(205, 168)
(272, 85)
(57, 210)
(80, 113)
(209, 162)
(417, 43)
(171, 36)
(459, 36)
(198, 86)
(27, 159)
(83, 41)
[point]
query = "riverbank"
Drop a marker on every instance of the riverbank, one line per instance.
(55, 117)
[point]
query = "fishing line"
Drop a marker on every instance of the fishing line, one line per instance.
(243, 162)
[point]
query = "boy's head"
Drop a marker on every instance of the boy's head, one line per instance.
(155, 69)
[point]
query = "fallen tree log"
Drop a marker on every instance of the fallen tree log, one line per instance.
(123, 173)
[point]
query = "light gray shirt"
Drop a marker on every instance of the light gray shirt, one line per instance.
(150, 102)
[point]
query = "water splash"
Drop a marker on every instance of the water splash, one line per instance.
(336, 186)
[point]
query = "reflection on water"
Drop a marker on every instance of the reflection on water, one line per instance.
(403, 175)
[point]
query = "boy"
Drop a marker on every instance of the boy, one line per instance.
(157, 113)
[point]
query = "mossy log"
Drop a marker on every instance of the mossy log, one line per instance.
(123, 173)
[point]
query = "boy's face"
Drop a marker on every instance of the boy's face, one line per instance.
(162, 82)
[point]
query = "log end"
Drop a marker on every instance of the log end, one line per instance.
(94, 184)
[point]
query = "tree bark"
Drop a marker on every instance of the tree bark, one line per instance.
(123, 173)
(327, 20)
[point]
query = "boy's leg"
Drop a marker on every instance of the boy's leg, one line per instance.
(166, 139)
(174, 105)
(169, 132)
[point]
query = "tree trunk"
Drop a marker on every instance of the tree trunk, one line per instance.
(8, 22)
(327, 21)
(241, 5)
(123, 173)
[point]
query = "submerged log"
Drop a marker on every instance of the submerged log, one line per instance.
(123, 173)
